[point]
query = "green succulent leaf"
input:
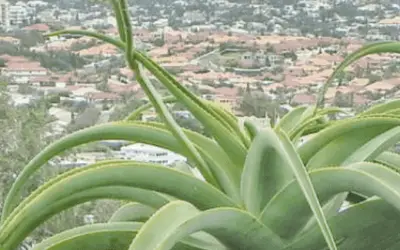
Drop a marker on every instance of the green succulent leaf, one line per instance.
(365, 178)
(116, 235)
(233, 228)
(334, 145)
(373, 48)
(133, 212)
(131, 174)
(139, 132)
(377, 230)
(389, 159)
(382, 108)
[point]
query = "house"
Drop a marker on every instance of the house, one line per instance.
(172, 36)
(106, 50)
(194, 17)
(41, 27)
(300, 99)
(22, 72)
(226, 97)
(148, 153)
(118, 87)
(99, 97)
(59, 81)
(252, 59)
(126, 75)
(9, 39)
(143, 35)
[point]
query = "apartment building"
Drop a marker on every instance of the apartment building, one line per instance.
(4, 13)
(18, 15)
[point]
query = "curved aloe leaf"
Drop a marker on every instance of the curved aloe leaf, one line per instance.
(364, 178)
(138, 132)
(375, 146)
(377, 230)
(291, 119)
(374, 48)
(392, 160)
(307, 188)
(266, 171)
(139, 175)
(162, 110)
(367, 152)
(335, 144)
(251, 129)
(133, 212)
(117, 235)
(157, 229)
(104, 38)
(217, 126)
(234, 228)
(382, 108)
(271, 164)
(110, 192)
(224, 170)
(96, 236)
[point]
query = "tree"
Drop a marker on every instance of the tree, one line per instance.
(25, 89)
(123, 111)
(56, 14)
(87, 118)
(2, 63)
(29, 38)
(258, 104)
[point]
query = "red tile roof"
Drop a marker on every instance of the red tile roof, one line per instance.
(304, 99)
(38, 27)
(102, 96)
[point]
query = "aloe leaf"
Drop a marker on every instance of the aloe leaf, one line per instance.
(163, 111)
(133, 212)
(251, 128)
(382, 108)
(390, 159)
(334, 145)
(102, 236)
(138, 132)
(377, 230)
(122, 193)
(291, 119)
(374, 48)
(105, 236)
(271, 164)
(216, 125)
(132, 174)
(266, 171)
(365, 178)
(307, 188)
(233, 228)
(160, 225)
(104, 38)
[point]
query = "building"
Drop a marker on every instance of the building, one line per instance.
(22, 72)
(147, 153)
(18, 15)
(4, 13)
(194, 17)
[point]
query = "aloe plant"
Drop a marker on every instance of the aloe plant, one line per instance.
(262, 189)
